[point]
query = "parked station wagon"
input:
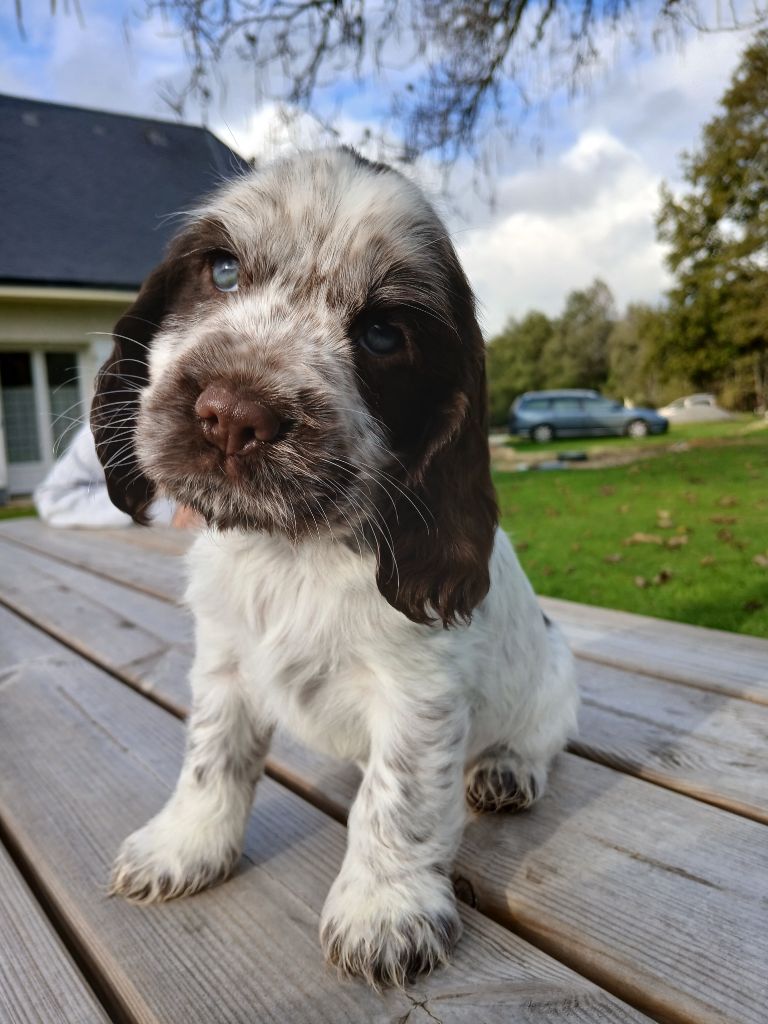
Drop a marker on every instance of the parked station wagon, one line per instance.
(545, 415)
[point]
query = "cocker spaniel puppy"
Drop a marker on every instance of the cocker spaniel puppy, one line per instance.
(305, 370)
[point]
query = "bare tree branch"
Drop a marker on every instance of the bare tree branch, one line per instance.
(473, 62)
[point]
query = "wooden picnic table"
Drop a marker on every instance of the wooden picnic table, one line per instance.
(636, 889)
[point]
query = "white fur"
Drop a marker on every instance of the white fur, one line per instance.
(273, 617)
(295, 633)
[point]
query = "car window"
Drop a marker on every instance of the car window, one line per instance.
(597, 405)
(536, 404)
(701, 400)
(566, 404)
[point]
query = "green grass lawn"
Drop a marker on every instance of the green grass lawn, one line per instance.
(740, 426)
(680, 536)
(16, 511)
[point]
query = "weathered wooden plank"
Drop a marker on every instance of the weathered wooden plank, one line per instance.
(109, 623)
(727, 663)
(709, 659)
(83, 760)
(637, 849)
(694, 741)
(38, 979)
(709, 746)
(609, 873)
(164, 540)
(105, 553)
(654, 896)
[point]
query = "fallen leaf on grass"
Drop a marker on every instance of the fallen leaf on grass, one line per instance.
(708, 560)
(752, 606)
(723, 520)
(644, 538)
(761, 560)
(623, 509)
(664, 519)
(662, 577)
(678, 541)
(607, 490)
(613, 559)
(522, 545)
(725, 536)
(728, 501)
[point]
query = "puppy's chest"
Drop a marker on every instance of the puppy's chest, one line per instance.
(305, 629)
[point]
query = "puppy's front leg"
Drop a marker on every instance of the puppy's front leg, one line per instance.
(391, 912)
(197, 838)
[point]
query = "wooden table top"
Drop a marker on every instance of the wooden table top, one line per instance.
(636, 890)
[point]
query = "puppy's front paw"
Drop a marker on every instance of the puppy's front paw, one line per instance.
(161, 861)
(502, 781)
(388, 932)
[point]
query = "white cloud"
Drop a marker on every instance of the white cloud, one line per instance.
(92, 65)
(589, 210)
(589, 213)
(658, 104)
(586, 207)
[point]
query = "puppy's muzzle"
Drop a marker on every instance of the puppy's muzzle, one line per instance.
(233, 421)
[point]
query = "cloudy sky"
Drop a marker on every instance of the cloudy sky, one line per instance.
(580, 204)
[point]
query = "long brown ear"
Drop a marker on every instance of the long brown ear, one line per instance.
(118, 389)
(443, 526)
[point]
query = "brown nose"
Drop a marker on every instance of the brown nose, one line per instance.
(232, 421)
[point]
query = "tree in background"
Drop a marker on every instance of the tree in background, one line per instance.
(537, 352)
(576, 356)
(717, 234)
(514, 361)
(445, 71)
(634, 371)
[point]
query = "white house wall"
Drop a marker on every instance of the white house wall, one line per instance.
(37, 320)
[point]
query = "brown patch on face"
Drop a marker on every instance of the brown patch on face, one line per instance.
(439, 509)
(442, 520)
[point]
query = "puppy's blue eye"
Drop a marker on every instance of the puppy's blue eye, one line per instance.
(225, 271)
(382, 339)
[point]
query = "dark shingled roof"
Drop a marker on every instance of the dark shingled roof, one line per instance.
(83, 193)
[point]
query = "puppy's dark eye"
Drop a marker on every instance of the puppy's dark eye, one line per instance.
(225, 271)
(381, 339)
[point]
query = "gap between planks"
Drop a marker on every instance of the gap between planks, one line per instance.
(709, 767)
(97, 994)
(70, 547)
(494, 972)
(40, 979)
(520, 920)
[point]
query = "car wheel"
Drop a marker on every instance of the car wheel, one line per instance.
(542, 433)
(637, 428)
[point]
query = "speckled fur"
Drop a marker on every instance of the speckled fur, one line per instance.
(298, 623)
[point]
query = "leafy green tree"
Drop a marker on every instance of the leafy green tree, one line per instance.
(635, 372)
(514, 361)
(717, 234)
(576, 356)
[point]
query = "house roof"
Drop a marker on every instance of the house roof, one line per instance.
(85, 194)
